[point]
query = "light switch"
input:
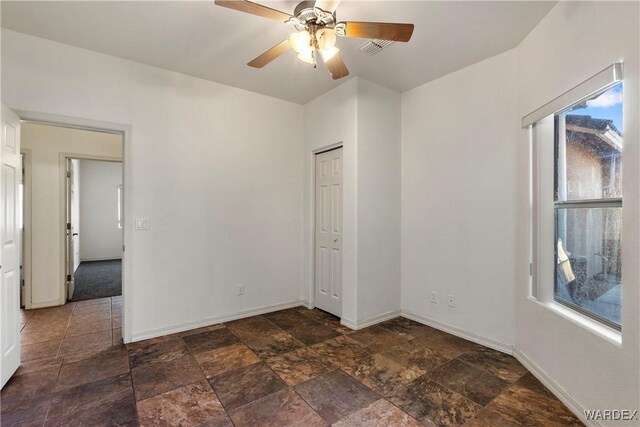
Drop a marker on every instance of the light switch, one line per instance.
(142, 223)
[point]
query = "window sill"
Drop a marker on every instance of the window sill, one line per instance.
(611, 335)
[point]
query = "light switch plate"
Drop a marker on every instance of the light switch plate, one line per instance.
(142, 223)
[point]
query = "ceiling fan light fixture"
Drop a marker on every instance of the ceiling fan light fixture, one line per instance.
(329, 53)
(306, 56)
(326, 38)
(300, 41)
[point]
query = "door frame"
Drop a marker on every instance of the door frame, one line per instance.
(331, 147)
(26, 224)
(64, 158)
(127, 181)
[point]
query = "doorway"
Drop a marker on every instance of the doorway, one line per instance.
(93, 228)
(328, 231)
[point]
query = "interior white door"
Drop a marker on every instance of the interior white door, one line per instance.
(71, 227)
(9, 245)
(328, 232)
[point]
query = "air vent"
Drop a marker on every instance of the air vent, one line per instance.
(374, 46)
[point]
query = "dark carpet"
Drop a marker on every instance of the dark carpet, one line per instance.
(97, 279)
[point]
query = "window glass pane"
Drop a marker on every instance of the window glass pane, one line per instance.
(588, 260)
(589, 148)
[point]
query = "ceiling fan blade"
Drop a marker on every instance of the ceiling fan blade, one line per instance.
(254, 9)
(379, 30)
(270, 55)
(336, 67)
(327, 5)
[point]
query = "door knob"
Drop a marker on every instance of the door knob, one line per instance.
(335, 239)
(75, 234)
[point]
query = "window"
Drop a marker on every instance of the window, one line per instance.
(581, 146)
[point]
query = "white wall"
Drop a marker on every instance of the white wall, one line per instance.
(216, 170)
(460, 199)
(365, 118)
(379, 145)
(100, 237)
(48, 186)
(573, 42)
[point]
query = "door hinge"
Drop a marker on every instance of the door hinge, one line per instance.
(122, 248)
(530, 269)
(68, 174)
(68, 226)
(68, 277)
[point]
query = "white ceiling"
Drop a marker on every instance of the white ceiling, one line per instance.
(215, 43)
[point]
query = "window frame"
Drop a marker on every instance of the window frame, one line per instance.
(542, 138)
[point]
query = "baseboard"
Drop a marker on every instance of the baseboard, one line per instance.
(470, 336)
(306, 304)
(153, 333)
(360, 324)
(110, 258)
(558, 391)
(45, 304)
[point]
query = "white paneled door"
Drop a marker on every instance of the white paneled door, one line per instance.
(10, 245)
(328, 232)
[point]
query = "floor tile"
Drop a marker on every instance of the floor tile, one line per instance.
(290, 319)
(160, 352)
(532, 383)
(335, 395)
(488, 418)
(38, 365)
(377, 338)
(116, 337)
(447, 345)
(380, 373)
(523, 406)
(407, 327)
(417, 356)
(313, 334)
(85, 328)
(27, 397)
(92, 308)
(244, 385)
(108, 400)
(30, 335)
(252, 327)
(284, 408)
(90, 302)
(341, 351)
(272, 345)
(299, 365)
(90, 317)
(81, 344)
(224, 359)
(495, 362)
(47, 349)
(433, 404)
(380, 413)
(149, 381)
(106, 365)
(190, 405)
(471, 382)
(210, 340)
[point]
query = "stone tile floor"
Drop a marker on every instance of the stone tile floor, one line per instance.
(292, 367)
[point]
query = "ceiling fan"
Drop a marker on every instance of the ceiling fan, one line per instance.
(316, 30)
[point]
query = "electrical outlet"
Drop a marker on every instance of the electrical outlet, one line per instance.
(452, 301)
(240, 289)
(433, 297)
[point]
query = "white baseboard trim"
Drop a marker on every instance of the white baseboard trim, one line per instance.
(45, 304)
(158, 332)
(109, 258)
(558, 391)
(360, 324)
(306, 304)
(467, 335)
